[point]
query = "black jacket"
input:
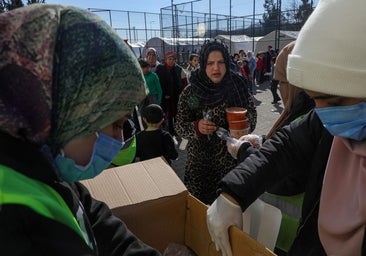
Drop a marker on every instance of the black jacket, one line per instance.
(291, 162)
(25, 232)
(150, 144)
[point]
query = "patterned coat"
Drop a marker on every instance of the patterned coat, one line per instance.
(207, 157)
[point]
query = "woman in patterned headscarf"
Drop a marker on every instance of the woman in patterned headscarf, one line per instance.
(201, 109)
(67, 81)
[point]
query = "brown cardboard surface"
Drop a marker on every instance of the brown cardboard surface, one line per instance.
(155, 205)
(243, 244)
(196, 235)
(148, 196)
(135, 183)
(157, 222)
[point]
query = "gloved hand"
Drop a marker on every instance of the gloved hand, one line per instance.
(253, 139)
(220, 216)
(233, 147)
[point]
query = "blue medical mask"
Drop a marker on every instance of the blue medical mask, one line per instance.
(105, 149)
(345, 121)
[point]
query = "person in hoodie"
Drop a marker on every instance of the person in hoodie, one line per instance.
(68, 82)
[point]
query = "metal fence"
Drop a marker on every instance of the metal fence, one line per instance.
(182, 21)
(176, 22)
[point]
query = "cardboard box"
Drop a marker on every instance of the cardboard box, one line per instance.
(156, 206)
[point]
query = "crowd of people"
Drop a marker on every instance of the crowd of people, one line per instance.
(71, 108)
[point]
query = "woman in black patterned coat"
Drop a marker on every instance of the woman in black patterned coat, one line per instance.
(201, 110)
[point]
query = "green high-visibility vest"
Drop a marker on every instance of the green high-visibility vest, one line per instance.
(16, 188)
(127, 154)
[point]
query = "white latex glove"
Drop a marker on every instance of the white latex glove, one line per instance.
(233, 147)
(253, 139)
(220, 216)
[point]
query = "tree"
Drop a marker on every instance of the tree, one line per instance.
(304, 11)
(272, 18)
(7, 5)
(35, 1)
(2, 6)
(293, 18)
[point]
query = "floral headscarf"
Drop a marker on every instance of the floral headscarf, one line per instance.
(64, 73)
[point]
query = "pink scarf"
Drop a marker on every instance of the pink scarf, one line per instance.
(342, 213)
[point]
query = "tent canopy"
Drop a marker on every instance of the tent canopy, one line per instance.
(137, 48)
(239, 42)
(246, 43)
(270, 39)
(183, 46)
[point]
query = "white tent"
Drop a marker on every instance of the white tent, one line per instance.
(137, 48)
(239, 42)
(270, 39)
(183, 46)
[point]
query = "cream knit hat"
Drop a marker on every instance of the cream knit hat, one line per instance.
(330, 51)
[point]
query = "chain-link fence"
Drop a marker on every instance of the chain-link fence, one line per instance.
(180, 24)
(174, 23)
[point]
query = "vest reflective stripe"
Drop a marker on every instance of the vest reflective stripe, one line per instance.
(16, 188)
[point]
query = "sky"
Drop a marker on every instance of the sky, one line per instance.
(222, 7)
(239, 7)
(148, 25)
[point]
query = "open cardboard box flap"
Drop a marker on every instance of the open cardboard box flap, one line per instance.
(156, 206)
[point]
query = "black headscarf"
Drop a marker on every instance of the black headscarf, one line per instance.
(210, 46)
(232, 89)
